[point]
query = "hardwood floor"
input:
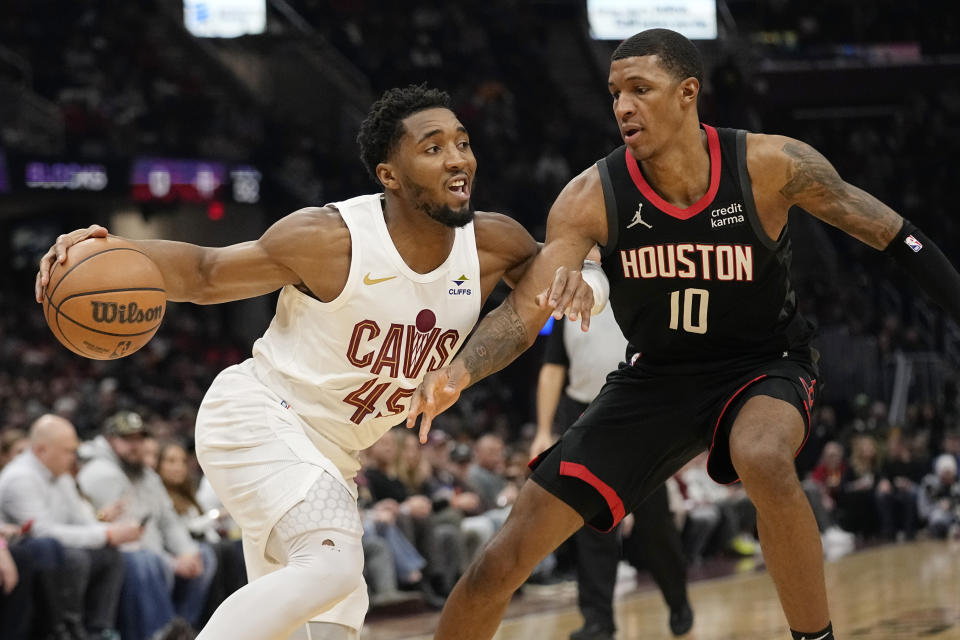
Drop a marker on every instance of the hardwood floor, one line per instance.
(892, 592)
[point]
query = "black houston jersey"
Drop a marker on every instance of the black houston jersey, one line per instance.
(702, 287)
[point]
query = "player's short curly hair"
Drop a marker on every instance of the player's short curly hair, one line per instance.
(677, 54)
(383, 127)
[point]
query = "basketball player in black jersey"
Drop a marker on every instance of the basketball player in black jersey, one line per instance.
(692, 224)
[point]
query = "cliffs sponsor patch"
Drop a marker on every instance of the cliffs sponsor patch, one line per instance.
(460, 290)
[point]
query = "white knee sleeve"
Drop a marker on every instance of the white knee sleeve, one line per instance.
(325, 631)
(324, 568)
(318, 541)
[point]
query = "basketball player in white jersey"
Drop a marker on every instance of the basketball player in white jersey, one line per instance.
(376, 291)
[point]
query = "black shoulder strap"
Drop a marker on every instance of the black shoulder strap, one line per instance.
(610, 202)
(746, 189)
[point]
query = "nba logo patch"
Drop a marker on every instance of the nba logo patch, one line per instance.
(913, 243)
(284, 404)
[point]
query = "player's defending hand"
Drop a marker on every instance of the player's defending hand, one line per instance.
(58, 254)
(569, 295)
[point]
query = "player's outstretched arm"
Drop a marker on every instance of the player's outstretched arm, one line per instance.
(208, 275)
(507, 251)
(797, 174)
(576, 222)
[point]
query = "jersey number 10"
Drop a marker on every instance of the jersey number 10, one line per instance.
(698, 298)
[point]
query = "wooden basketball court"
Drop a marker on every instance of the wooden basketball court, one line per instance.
(892, 592)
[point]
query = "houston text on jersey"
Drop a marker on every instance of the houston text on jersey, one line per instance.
(689, 260)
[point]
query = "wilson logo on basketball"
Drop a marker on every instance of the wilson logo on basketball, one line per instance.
(111, 312)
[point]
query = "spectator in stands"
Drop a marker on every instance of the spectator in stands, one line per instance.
(16, 582)
(822, 429)
(446, 558)
(454, 500)
(485, 473)
(150, 450)
(167, 573)
(716, 511)
(823, 485)
(38, 487)
(951, 443)
(12, 443)
(380, 573)
(900, 475)
(173, 466)
(40, 611)
(822, 488)
(436, 543)
(938, 500)
(413, 467)
(856, 501)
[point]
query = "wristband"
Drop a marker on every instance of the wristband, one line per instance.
(592, 273)
(917, 254)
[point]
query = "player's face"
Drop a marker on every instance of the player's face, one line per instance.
(648, 102)
(436, 167)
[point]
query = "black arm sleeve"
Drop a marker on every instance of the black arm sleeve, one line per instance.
(922, 259)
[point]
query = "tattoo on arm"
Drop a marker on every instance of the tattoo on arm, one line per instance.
(809, 172)
(815, 185)
(499, 339)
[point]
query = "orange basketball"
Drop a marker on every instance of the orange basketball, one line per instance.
(106, 301)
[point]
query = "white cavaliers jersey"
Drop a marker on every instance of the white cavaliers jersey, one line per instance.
(349, 367)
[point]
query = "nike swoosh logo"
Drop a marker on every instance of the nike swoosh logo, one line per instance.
(818, 638)
(368, 280)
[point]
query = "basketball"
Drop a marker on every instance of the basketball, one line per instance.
(106, 300)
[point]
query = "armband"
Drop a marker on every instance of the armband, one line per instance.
(592, 273)
(917, 254)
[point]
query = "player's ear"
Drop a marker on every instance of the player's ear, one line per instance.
(689, 90)
(388, 176)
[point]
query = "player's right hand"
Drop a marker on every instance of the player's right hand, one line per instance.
(58, 254)
(569, 295)
(437, 393)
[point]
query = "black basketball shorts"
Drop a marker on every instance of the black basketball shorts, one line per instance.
(642, 428)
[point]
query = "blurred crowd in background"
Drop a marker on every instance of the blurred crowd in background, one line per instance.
(881, 460)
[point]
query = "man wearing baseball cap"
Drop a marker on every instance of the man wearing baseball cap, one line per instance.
(120, 485)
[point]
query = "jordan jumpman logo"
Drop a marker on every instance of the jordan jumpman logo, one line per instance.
(637, 219)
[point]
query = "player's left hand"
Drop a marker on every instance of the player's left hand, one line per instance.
(569, 295)
(57, 254)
